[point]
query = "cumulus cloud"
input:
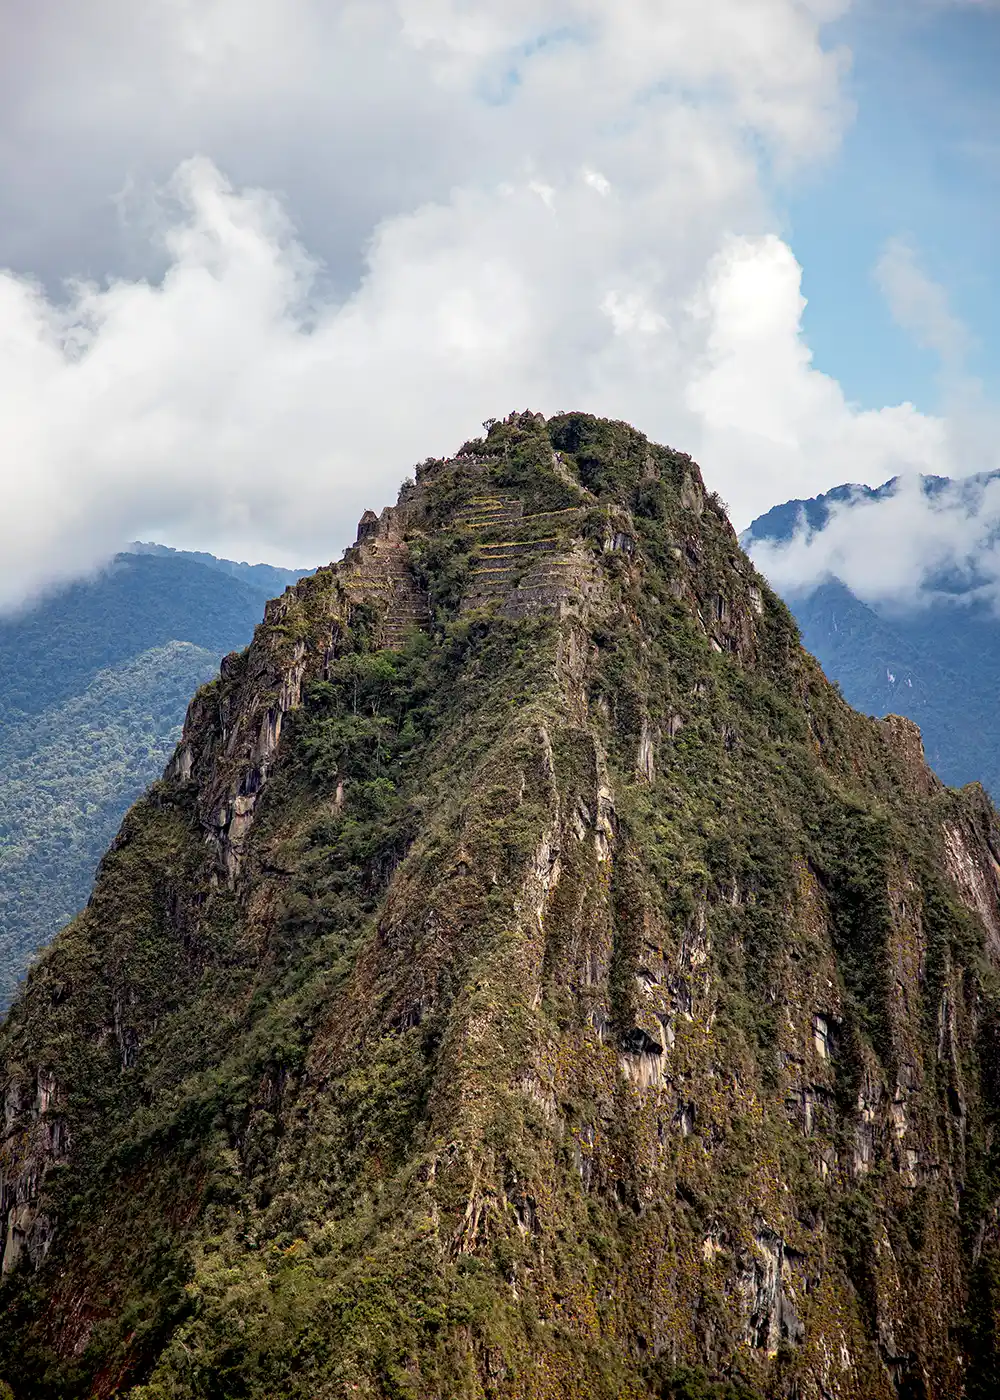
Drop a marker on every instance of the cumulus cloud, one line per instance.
(362, 109)
(768, 421)
(553, 205)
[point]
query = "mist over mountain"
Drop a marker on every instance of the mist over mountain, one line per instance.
(895, 590)
(912, 542)
(94, 682)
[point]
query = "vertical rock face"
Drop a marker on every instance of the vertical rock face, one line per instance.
(528, 980)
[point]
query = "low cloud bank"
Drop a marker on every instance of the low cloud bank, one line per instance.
(904, 549)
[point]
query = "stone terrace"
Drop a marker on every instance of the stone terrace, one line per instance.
(382, 576)
(529, 566)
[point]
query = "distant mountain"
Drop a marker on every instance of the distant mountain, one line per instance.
(781, 522)
(94, 683)
(937, 663)
(267, 577)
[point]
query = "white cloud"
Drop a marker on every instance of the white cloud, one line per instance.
(552, 205)
(770, 425)
(898, 549)
(597, 181)
(919, 304)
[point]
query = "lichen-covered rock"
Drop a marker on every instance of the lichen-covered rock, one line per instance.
(529, 980)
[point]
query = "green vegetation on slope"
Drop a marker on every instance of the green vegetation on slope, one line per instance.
(69, 774)
(53, 650)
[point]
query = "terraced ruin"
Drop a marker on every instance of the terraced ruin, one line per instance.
(384, 578)
(523, 563)
(519, 563)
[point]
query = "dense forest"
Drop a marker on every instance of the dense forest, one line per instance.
(94, 682)
(69, 773)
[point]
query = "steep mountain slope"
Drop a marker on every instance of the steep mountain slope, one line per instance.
(94, 681)
(937, 663)
(530, 979)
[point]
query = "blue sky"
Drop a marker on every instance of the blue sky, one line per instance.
(259, 258)
(920, 161)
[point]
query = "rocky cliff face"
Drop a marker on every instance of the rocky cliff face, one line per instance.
(529, 979)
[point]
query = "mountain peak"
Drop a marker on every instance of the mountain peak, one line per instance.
(527, 980)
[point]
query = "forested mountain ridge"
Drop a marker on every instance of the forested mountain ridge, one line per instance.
(52, 650)
(94, 682)
(529, 979)
(265, 578)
